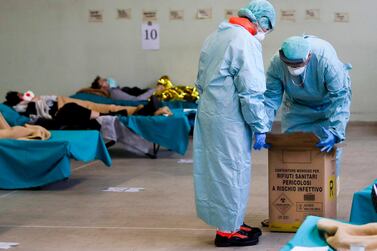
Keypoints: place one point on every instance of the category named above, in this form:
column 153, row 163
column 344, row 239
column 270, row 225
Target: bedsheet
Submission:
column 362, row 211
column 170, row 132
column 307, row 235
column 83, row 145
column 33, row 163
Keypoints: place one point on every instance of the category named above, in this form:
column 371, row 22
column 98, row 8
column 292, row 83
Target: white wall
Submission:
column 50, row 47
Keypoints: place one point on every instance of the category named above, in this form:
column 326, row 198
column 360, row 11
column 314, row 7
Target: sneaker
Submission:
column 251, row 231
column 235, row 239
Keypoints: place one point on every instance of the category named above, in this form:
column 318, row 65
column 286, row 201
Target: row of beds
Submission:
column 27, row 164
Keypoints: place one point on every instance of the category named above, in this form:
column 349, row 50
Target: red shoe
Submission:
column 235, row 239
column 251, row 231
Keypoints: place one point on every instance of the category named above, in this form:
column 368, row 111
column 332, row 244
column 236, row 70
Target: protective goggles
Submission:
column 264, row 25
column 295, row 63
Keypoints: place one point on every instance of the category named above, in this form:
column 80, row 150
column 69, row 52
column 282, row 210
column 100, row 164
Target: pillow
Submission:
column 12, row 117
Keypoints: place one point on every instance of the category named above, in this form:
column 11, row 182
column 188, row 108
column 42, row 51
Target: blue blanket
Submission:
column 170, row 132
column 83, row 145
column 12, row 117
column 104, row 100
column 33, row 163
column 26, row 164
column 307, row 235
column 362, row 211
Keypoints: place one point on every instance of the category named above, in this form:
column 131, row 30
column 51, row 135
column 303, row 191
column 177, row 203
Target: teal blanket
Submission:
column 33, row 163
column 83, row 145
column 12, row 117
column 362, row 211
column 170, row 132
column 307, row 235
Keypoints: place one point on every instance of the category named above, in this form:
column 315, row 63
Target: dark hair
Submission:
column 95, row 83
column 12, row 99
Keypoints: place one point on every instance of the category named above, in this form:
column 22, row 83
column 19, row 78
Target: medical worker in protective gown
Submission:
column 231, row 82
column 314, row 88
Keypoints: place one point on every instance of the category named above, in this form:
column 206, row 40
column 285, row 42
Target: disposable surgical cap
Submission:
column 256, row 10
column 296, row 48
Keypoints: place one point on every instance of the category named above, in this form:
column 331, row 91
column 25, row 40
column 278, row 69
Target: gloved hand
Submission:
column 260, row 141
column 327, row 144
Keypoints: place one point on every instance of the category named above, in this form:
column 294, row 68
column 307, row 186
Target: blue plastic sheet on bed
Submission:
column 362, row 211
column 32, row 163
column 170, row 132
column 25, row 164
column 83, row 145
column 307, row 235
column 104, row 100
column 12, row 117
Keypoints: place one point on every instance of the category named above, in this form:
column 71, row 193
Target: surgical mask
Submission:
column 296, row 71
column 112, row 83
column 260, row 36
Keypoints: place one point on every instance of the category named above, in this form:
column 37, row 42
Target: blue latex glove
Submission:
column 327, row 144
column 260, row 141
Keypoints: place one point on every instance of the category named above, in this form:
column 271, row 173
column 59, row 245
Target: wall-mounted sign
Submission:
column 176, row 14
column 230, row 13
column 95, row 15
column 342, row 17
column 204, row 14
column 124, row 14
column 312, row 14
column 149, row 16
column 150, row 36
column 288, row 15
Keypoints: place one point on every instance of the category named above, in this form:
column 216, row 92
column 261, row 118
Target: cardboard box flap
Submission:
column 297, row 139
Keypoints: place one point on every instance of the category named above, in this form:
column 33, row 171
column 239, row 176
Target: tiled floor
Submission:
column 76, row 215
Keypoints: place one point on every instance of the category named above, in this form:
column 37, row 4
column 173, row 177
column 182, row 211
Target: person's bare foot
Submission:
column 163, row 111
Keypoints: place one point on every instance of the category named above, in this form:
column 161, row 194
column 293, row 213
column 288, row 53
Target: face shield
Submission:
column 294, row 63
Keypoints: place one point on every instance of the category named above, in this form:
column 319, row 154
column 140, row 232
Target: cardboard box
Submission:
column 302, row 181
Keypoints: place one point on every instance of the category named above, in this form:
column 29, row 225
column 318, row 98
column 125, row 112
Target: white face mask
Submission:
column 296, row 71
column 260, row 36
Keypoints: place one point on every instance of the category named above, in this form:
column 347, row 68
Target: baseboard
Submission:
column 362, row 123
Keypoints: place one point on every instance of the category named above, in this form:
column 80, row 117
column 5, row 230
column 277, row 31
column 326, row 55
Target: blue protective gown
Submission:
column 231, row 83
column 320, row 97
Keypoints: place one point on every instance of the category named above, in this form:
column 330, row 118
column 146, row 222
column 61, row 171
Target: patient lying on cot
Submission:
column 22, row 132
column 57, row 112
column 109, row 88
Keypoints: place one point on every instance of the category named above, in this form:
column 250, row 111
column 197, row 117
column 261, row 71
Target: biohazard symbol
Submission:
column 282, row 204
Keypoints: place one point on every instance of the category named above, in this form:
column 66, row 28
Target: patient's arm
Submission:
column 3, row 123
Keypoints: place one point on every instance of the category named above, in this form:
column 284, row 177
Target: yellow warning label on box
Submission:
column 332, row 187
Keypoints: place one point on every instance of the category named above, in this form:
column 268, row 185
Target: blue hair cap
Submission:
column 296, row 48
column 256, row 10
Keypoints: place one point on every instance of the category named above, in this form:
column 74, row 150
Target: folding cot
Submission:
column 170, row 132
column 33, row 163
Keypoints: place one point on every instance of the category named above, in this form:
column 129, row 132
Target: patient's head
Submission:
column 100, row 83
column 13, row 98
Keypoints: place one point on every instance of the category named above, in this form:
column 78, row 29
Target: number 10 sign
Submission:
column 150, row 36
